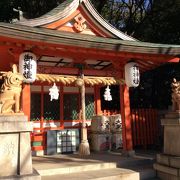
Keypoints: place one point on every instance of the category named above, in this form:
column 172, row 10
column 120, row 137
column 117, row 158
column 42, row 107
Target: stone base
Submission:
column 168, row 164
column 168, row 167
column 171, row 134
column 15, row 148
column 166, row 173
column 165, row 176
column 34, row 176
column 173, row 115
column 167, row 160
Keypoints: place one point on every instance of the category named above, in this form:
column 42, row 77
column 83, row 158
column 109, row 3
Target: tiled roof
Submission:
column 60, row 12
column 67, row 8
column 86, row 41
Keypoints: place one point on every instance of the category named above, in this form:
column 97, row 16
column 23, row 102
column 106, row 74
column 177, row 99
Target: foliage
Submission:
column 161, row 24
column 155, row 88
column 125, row 15
column 31, row 9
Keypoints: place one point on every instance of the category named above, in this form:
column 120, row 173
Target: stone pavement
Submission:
column 110, row 164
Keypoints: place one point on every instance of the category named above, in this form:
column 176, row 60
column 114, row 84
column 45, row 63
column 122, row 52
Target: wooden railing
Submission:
column 144, row 127
column 110, row 112
column 38, row 141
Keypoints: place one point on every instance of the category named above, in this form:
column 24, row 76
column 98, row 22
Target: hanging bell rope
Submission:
column 89, row 80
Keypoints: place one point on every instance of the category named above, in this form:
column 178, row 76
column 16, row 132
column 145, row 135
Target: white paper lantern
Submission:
column 132, row 74
column 28, row 66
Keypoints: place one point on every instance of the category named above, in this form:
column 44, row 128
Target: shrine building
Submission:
column 73, row 41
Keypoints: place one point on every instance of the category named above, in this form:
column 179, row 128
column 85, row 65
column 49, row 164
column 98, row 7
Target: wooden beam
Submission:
column 71, row 51
column 75, row 71
column 144, row 66
column 86, row 53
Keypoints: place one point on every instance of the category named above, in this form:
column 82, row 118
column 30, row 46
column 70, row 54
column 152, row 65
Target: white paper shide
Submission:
column 107, row 94
column 54, row 92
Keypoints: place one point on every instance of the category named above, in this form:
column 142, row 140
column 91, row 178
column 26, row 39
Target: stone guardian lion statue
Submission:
column 10, row 91
column 175, row 95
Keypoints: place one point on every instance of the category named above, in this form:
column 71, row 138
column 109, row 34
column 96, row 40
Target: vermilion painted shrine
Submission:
column 71, row 38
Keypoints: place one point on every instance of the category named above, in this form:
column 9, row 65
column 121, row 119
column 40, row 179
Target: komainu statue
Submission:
column 10, row 91
column 175, row 95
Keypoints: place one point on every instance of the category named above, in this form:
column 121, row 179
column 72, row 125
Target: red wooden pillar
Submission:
column 126, row 119
column 97, row 100
column 42, row 109
column 26, row 100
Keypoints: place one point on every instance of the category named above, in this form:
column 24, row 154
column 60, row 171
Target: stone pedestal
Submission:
column 15, row 148
column 168, row 163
